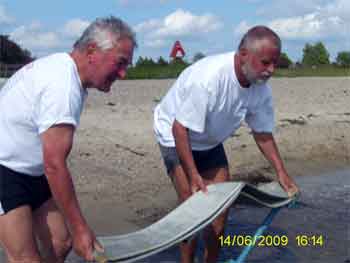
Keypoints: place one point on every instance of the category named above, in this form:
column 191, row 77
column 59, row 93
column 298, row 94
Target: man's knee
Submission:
column 181, row 183
column 62, row 247
column 184, row 195
column 23, row 258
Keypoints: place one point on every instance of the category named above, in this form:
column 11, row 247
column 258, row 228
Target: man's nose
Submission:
column 271, row 68
column 122, row 73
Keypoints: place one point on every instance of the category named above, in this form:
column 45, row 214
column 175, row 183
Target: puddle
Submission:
column 322, row 211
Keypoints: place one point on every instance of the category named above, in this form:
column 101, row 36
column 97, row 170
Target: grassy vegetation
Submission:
column 173, row 70
column 319, row 71
column 155, row 71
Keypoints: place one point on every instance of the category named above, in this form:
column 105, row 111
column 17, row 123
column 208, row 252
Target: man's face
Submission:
column 111, row 64
column 260, row 64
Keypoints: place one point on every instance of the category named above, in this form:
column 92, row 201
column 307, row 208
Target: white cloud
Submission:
column 38, row 40
column 328, row 21
column 180, row 23
column 242, row 28
column 306, row 27
column 183, row 22
column 148, row 25
column 290, row 8
column 5, row 18
column 339, row 8
column 33, row 37
column 158, row 43
column 75, row 27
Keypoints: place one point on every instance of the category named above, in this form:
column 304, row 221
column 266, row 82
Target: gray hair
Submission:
column 105, row 33
column 253, row 38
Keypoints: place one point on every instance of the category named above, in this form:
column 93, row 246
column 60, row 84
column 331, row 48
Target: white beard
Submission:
column 251, row 75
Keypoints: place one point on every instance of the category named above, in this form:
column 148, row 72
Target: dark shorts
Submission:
column 17, row 189
column 204, row 160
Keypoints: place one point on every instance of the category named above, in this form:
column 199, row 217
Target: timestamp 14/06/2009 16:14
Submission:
column 302, row 240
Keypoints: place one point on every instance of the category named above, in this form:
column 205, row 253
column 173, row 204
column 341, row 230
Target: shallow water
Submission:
column 322, row 210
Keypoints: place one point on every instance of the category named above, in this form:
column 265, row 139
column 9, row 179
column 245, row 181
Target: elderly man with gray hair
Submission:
column 204, row 107
column 40, row 110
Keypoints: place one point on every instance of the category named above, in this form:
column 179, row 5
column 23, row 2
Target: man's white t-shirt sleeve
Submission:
column 261, row 118
column 58, row 105
column 192, row 108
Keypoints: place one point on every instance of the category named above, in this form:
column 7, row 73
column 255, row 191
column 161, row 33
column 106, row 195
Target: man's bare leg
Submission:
column 53, row 233
column 216, row 228
column 183, row 189
column 17, row 236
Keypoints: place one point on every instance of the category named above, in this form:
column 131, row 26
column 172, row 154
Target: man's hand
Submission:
column 85, row 242
column 288, row 185
column 268, row 147
column 184, row 152
column 197, row 184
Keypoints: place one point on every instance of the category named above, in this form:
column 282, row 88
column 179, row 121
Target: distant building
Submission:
column 177, row 51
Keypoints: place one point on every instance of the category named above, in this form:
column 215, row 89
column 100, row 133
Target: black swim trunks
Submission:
column 17, row 189
column 204, row 160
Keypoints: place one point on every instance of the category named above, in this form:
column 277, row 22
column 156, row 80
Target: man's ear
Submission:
column 243, row 54
column 90, row 51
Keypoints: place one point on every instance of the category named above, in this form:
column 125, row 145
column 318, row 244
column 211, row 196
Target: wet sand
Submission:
column 119, row 175
column 316, row 229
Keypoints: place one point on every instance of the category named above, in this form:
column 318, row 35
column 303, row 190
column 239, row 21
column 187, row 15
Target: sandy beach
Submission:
column 118, row 171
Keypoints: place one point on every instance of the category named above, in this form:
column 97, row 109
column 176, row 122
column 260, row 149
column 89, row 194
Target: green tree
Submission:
column 146, row 62
column 343, row 59
column 12, row 53
column 161, row 61
column 198, row 56
column 314, row 55
column 284, row 61
column 139, row 62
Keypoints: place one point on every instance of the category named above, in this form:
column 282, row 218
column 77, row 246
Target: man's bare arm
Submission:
column 184, row 152
column 57, row 142
column 268, row 147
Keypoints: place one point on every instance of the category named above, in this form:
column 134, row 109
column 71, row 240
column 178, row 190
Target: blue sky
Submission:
column 210, row 27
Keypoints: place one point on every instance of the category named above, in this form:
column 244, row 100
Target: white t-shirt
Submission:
column 208, row 100
column 43, row 93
